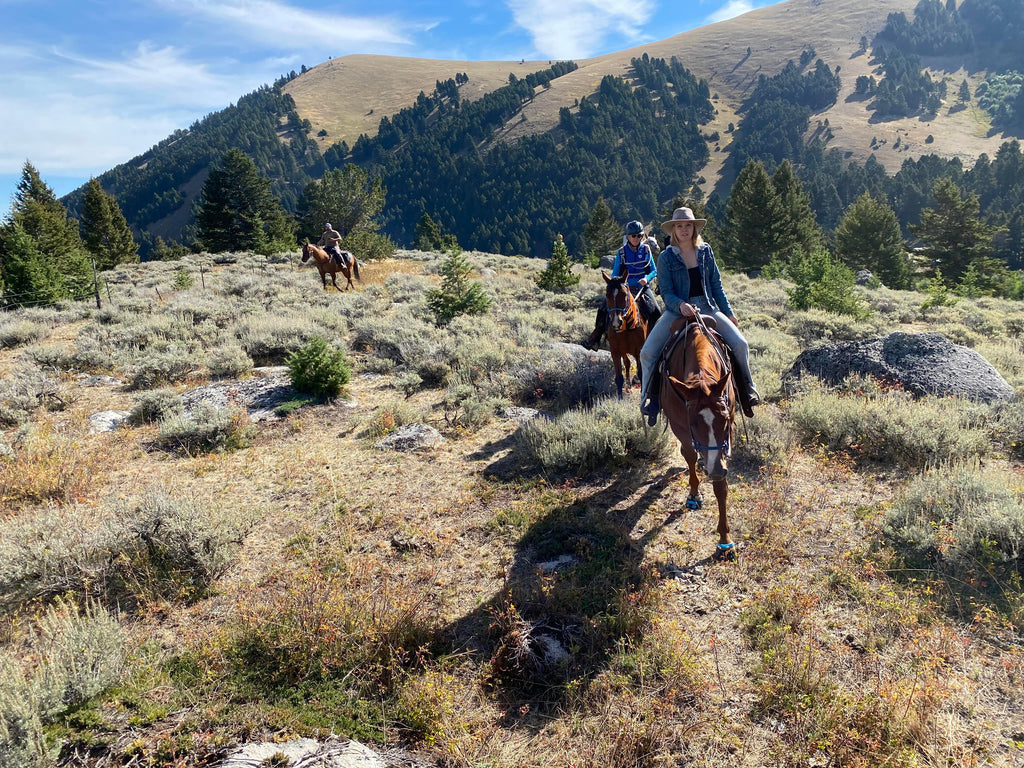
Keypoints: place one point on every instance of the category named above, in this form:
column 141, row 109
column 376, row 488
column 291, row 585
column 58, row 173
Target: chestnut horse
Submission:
column 328, row 265
column 626, row 327
column 698, row 397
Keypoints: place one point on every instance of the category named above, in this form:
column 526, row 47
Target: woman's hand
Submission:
column 687, row 310
column 735, row 321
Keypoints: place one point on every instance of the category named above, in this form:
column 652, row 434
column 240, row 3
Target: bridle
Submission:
column 630, row 313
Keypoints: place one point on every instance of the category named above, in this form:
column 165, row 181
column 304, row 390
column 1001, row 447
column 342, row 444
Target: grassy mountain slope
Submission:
column 338, row 95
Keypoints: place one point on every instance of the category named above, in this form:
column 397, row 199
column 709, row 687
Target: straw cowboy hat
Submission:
column 682, row 214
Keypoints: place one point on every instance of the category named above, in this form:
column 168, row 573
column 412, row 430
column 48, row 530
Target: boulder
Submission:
column 920, row 363
column 306, row 752
column 105, row 421
column 410, row 437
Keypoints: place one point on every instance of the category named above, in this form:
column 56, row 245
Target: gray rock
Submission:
column 921, row 363
column 864, row 277
column 411, row 437
column 306, row 753
column 105, row 421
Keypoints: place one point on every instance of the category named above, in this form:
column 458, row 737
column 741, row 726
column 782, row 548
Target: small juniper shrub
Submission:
column 155, row 405
column 318, row 370
column 78, row 654
column 557, row 275
column 206, row 428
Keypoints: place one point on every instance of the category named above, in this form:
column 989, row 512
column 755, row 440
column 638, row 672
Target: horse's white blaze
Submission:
column 708, row 415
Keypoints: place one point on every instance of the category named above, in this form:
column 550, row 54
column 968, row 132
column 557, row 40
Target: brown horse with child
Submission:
column 329, row 265
column 626, row 328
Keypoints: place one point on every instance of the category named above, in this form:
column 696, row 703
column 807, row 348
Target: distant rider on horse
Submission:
column 330, row 241
column 636, row 261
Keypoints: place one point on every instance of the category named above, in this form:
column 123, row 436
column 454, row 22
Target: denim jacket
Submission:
column 674, row 279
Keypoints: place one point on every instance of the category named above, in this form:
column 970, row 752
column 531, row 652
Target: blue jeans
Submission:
column 659, row 335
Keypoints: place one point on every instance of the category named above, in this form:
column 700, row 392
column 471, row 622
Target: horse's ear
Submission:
column 605, row 276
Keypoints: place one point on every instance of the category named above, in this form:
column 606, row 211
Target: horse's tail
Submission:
column 355, row 268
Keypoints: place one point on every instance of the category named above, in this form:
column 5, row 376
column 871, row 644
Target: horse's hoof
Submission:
column 694, row 501
column 725, row 553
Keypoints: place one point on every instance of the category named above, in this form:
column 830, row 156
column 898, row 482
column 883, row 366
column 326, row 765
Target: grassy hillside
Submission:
column 520, row 594
column 337, row 96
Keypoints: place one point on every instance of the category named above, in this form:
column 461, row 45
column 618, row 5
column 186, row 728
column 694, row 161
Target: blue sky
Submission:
column 90, row 84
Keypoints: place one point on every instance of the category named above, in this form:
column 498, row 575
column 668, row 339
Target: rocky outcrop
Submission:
column 920, row 363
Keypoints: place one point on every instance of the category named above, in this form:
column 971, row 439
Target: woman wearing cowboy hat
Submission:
column 690, row 281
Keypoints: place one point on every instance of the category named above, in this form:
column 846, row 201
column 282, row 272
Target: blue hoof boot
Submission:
column 694, row 501
column 725, row 552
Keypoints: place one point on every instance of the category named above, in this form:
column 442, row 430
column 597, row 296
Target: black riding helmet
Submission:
column 634, row 228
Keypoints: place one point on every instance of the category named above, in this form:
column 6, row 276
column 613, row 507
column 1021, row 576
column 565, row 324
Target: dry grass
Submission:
column 409, row 599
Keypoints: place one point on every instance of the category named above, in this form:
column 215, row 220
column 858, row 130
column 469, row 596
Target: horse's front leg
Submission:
column 721, row 496
column 694, row 500
column 334, row 281
column 323, row 279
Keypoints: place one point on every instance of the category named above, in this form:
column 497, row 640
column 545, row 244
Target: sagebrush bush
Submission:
column 176, row 546
column 77, row 655
column 19, row 332
column 207, row 428
column 610, row 433
column 318, row 370
column 26, row 389
column 961, row 514
column 156, row 405
column 169, row 366
column 890, row 426
column 229, row 362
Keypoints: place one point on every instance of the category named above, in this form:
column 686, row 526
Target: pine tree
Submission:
column 557, row 276
column 352, row 202
column 953, row 233
column 796, row 226
column 430, row 236
column 104, row 230
column 41, row 251
column 238, row 212
column 457, row 294
column 751, row 214
column 869, row 237
column 601, row 234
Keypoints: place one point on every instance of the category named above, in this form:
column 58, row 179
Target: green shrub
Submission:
column 611, row 433
column 821, row 282
column 557, row 275
column 457, row 295
column 318, row 370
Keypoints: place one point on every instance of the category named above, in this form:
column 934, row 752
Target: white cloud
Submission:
column 730, row 10
column 572, row 29
column 283, row 26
